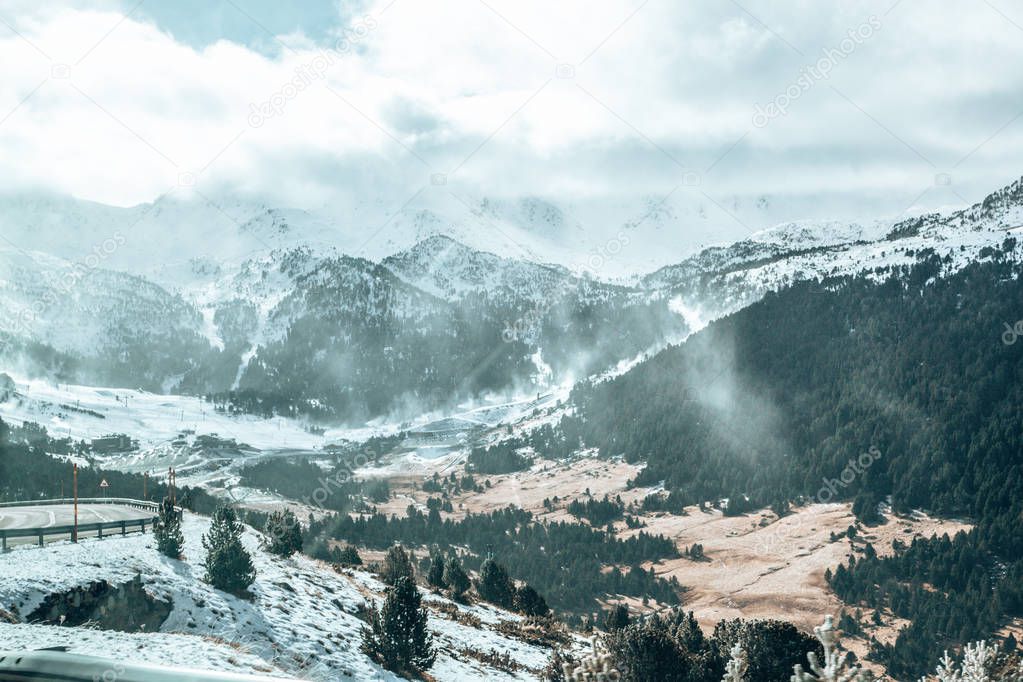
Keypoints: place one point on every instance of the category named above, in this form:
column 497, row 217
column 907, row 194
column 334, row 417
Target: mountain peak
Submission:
column 449, row 269
column 1000, row 210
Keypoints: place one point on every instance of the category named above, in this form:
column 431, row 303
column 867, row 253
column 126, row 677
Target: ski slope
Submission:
column 87, row 412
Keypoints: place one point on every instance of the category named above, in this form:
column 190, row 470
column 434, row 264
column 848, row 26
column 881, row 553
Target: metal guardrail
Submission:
column 97, row 527
column 126, row 501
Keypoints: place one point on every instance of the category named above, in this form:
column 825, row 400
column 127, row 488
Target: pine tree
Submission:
column 435, row 576
column 617, row 618
column 167, row 529
column 455, row 578
column 529, row 602
column 228, row 564
column 349, row 556
column 646, row 651
column 772, row 647
column 397, row 636
column 283, row 534
column 397, row 565
column 494, row 585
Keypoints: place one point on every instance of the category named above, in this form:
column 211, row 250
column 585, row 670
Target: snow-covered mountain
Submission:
column 186, row 235
column 450, row 270
column 311, row 328
column 722, row 279
column 271, row 302
column 77, row 309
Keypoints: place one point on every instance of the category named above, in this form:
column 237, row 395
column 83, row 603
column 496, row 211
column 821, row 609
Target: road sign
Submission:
column 104, row 484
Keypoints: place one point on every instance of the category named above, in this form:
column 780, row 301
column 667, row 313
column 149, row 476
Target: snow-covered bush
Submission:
column 978, row 660
column 736, row 667
column 833, row 667
column 598, row 667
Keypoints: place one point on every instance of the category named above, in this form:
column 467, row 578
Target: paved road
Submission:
column 45, row 516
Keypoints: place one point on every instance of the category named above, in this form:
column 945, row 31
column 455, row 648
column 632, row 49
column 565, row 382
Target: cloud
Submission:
column 580, row 102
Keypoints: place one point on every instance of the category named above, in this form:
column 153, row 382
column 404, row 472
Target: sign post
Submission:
column 103, row 487
column 74, row 484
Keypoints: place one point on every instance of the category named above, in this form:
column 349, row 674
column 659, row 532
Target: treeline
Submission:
column 299, row 479
column 547, row 441
column 333, row 488
column 565, row 562
column 671, row 646
column 266, row 405
column 502, row 458
column 818, row 374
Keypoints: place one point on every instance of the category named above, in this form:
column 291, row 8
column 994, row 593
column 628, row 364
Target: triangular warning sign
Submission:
column 104, row 484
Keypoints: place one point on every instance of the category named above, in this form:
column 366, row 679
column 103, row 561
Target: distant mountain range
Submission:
column 269, row 304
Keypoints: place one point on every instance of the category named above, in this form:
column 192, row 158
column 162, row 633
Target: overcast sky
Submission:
column 323, row 103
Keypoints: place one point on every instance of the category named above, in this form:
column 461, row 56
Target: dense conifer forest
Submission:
column 901, row 390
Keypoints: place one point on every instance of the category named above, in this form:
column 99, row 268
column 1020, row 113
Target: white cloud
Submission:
column 464, row 79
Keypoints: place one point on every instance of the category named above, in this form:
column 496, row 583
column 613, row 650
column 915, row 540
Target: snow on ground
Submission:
column 154, row 648
column 155, row 420
column 71, row 410
column 301, row 621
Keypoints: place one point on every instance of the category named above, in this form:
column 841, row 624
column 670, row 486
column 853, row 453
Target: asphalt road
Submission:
column 45, row 516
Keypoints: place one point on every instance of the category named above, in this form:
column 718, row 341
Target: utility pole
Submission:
column 74, row 532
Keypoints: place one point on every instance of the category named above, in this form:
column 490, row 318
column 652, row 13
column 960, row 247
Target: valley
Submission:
column 510, row 340
column 656, row 463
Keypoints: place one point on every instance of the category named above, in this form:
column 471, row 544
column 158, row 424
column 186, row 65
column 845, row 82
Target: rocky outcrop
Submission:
column 127, row 607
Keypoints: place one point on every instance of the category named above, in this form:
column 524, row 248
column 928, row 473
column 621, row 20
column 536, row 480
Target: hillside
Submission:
column 303, row 620
column 902, row 390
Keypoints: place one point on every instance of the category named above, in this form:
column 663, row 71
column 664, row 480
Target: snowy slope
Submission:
column 780, row 242
column 302, row 620
column 999, row 211
column 167, row 428
column 720, row 280
column 81, row 308
column 85, row 412
column 448, row 269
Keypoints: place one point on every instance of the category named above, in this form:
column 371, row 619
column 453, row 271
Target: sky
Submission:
column 853, row 109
